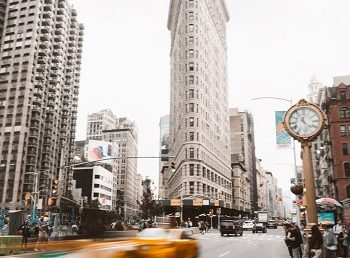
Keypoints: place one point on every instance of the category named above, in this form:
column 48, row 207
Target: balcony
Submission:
column 45, row 29
column 39, row 76
column 51, row 104
column 36, row 118
column 43, row 45
column 41, row 68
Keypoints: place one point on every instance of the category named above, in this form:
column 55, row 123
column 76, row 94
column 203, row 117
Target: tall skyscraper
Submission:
column 199, row 124
column 40, row 56
column 243, row 145
column 126, row 136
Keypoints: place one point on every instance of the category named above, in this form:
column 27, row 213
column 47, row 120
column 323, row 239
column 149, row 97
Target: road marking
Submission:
column 221, row 255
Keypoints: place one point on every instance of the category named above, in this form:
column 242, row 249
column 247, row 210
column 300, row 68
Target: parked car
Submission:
column 259, row 227
column 272, row 224
column 231, row 227
column 248, row 225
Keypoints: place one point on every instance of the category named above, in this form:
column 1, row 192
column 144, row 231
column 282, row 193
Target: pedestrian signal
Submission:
column 52, row 201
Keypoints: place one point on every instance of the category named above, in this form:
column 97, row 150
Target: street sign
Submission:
column 175, row 202
column 197, row 202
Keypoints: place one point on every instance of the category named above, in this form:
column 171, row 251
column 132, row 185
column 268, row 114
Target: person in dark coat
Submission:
column 25, row 232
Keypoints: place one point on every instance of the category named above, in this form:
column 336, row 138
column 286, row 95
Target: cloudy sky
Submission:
column 274, row 47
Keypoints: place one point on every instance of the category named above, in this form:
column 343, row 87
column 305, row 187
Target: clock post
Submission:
column 304, row 121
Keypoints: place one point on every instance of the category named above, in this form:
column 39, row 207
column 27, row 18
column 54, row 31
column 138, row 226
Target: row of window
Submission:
column 344, row 112
column 345, row 130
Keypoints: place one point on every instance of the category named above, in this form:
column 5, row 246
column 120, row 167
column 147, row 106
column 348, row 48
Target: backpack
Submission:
column 329, row 239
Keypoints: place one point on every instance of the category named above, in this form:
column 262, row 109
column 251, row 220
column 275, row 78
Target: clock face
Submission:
column 304, row 121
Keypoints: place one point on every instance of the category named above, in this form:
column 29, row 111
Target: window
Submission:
column 348, row 191
column 96, row 186
column 190, row 16
column 191, row 93
column 191, row 169
column 191, row 153
column 342, row 95
column 191, row 187
column 190, row 41
column 191, row 79
column 342, row 112
column 191, row 53
column 97, row 176
column 191, row 66
column 345, row 148
column 191, row 121
column 191, row 136
column 347, row 169
column 96, row 195
column 191, row 107
column 190, row 28
column 342, row 130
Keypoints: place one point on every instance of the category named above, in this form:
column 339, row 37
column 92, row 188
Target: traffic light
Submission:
column 164, row 155
column 52, row 201
column 54, row 188
column 173, row 166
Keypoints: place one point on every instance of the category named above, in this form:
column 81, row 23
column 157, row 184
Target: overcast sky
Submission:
column 274, row 47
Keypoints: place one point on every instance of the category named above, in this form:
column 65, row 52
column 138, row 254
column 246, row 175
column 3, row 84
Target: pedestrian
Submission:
column 42, row 234
column 206, row 224
column 304, row 245
column 343, row 242
column 330, row 242
column 299, row 238
column 293, row 241
column 288, row 244
column 315, row 242
column 24, row 229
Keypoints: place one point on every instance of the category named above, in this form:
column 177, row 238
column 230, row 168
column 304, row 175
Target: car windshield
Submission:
column 248, row 221
column 227, row 222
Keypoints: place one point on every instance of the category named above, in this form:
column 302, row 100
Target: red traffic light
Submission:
column 173, row 166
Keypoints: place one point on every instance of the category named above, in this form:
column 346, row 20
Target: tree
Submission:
column 92, row 204
column 149, row 206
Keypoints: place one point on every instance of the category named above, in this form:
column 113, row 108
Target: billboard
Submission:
column 283, row 139
column 98, row 150
column 326, row 217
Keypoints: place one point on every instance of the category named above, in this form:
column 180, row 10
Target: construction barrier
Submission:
column 10, row 245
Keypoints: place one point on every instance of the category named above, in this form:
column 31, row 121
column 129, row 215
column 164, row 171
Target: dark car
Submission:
column 271, row 224
column 231, row 227
column 259, row 227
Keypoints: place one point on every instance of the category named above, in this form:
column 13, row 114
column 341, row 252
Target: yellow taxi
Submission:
column 151, row 242
column 167, row 243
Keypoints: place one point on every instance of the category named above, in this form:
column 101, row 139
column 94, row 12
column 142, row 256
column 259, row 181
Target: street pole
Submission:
column 294, row 154
column 59, row 193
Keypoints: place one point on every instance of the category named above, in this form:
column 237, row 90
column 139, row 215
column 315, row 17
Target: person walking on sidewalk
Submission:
column 292, row 239
column 330, row 242
column 315, row 242
column 43, row 234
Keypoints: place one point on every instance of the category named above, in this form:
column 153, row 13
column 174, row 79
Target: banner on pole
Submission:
column 283, row 139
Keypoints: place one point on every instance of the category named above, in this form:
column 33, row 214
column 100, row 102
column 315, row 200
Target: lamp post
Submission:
column 293, row 147
column 34, row 194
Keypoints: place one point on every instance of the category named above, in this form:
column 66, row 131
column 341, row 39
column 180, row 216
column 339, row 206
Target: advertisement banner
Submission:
column 98, row 150
column 283, row 139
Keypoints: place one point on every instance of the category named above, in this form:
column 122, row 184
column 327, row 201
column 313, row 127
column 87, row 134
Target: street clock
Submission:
column 304, row 121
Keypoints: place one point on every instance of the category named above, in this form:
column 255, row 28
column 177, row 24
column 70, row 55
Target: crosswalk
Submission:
column 247, row 236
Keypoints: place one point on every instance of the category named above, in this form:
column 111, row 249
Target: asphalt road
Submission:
column 268, row 245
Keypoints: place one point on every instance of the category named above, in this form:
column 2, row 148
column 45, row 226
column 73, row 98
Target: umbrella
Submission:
column 328, row 202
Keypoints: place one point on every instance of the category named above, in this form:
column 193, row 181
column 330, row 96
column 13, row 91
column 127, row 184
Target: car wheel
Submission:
column 222, row 234
column 242, row 233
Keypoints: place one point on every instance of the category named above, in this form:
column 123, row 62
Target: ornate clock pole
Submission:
column 304, row 121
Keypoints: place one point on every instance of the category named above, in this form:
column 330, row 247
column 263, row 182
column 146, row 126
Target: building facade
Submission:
column 261, row 185
column 40, row 57
column 243, row 144
column 199, row 125
column 163, row 164
column 126, row 136
column 99, row 121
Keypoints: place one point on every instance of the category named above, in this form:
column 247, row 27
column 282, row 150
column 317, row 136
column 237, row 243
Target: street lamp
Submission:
column 34, row 194
column 293, row 147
